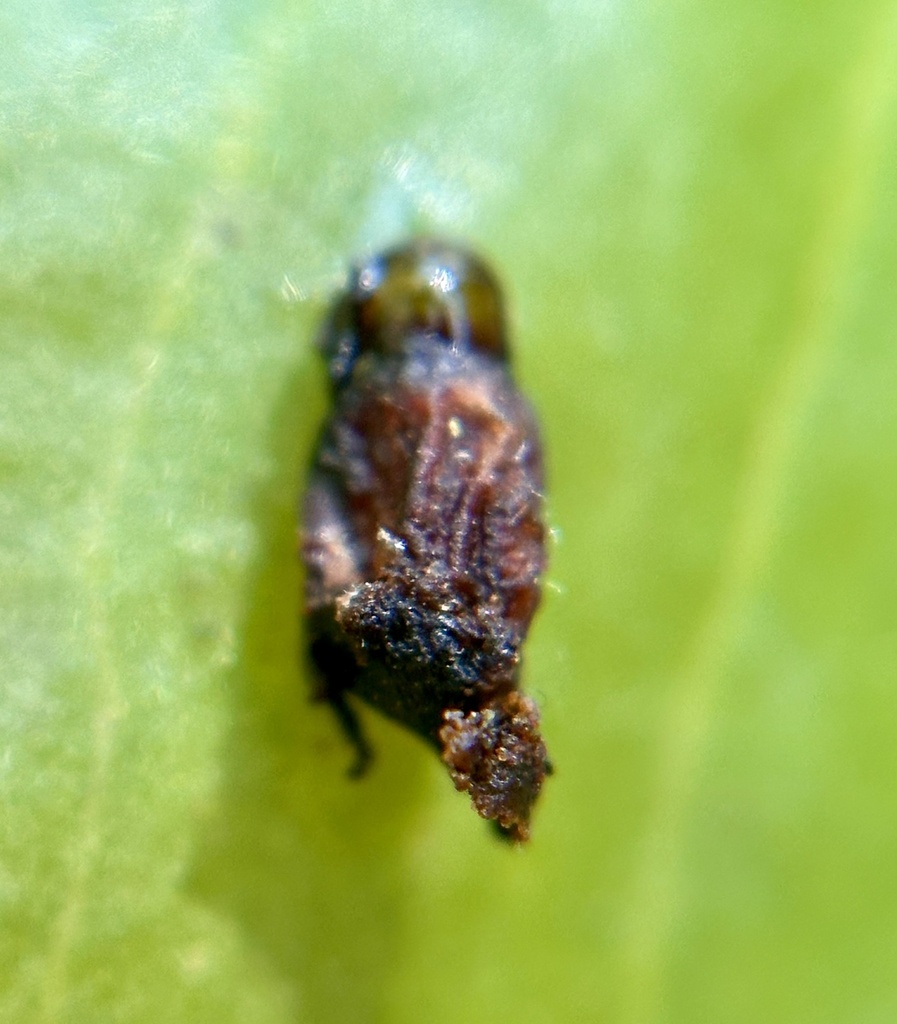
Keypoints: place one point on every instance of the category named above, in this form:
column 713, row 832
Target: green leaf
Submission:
column 693, row 209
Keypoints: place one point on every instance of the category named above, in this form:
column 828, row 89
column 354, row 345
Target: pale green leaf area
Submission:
column 693, row 207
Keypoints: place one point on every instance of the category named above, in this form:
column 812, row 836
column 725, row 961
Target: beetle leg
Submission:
column 336, row 671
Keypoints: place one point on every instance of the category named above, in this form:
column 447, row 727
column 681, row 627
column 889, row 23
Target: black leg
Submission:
column 336, row 670
column 351, row 726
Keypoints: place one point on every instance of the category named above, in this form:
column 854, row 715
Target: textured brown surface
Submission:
column 423, row 536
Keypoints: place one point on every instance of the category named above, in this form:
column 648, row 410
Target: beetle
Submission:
column 423, row 536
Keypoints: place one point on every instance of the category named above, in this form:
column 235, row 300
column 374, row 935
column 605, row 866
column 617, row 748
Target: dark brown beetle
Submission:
column 423, row 536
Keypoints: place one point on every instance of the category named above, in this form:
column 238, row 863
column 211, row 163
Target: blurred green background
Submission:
column 693, row 207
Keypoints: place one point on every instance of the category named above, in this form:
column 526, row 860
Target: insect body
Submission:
column 423, row 538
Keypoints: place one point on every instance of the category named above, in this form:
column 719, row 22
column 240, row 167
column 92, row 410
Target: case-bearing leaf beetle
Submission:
column 423, row 537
